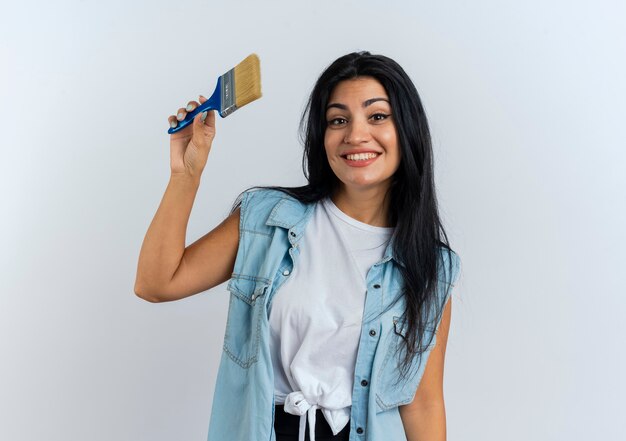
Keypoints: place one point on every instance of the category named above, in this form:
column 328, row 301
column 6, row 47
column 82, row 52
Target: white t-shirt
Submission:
column 315, row 317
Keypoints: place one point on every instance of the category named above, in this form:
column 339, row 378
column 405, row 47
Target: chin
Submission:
column 363, row 185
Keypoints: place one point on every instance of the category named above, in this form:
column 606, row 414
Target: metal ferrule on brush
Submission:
column 229, row 93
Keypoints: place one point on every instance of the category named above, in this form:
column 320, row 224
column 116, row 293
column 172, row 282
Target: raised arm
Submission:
column 167, row 270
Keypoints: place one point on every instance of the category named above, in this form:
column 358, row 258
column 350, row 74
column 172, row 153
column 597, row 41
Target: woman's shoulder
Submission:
column 265, row 198
column 258, row 204
column 263, row 193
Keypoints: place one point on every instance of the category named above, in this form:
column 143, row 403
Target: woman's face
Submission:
column 359, row 122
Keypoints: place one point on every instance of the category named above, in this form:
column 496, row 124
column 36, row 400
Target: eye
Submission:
column 337, row 121
column 377, row 117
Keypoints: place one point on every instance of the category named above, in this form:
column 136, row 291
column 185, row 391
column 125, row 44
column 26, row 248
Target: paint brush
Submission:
column 236, row 88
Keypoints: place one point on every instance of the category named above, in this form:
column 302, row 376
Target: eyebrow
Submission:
column 365, row 103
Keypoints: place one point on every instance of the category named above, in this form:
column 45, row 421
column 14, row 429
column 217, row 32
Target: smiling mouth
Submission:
column 361, row 156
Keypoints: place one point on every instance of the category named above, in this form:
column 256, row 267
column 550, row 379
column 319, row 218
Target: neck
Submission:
column 365, row 205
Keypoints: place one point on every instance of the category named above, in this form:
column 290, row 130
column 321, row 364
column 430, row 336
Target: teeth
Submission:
column 361, row 156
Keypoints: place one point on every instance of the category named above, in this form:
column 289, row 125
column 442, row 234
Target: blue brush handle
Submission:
column 213, row 103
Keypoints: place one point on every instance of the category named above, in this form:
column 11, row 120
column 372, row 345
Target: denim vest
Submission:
column 270, row 230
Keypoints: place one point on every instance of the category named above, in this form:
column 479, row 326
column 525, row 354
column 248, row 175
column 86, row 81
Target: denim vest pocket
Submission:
column 243, row 325
column 392, row 391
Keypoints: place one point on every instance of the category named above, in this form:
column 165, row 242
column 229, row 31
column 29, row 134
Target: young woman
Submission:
column 339, row 290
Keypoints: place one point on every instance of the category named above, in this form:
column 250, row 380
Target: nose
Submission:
column 357, row 132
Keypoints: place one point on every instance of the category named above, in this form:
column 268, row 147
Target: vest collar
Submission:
column 293, row 215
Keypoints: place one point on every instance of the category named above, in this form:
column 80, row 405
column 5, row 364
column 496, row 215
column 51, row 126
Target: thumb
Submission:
column 204, row 125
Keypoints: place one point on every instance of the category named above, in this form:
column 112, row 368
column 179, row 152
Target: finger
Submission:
column 198, row 122
column 202, row 99
column 181, row 114
column 204, row 124
column 210, row 119
column 173, row 122
column 191, row 105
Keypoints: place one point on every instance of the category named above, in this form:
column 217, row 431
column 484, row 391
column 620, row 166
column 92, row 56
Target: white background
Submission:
column 526, row 105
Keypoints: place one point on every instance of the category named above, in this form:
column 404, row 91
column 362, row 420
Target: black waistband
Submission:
column 287, row 424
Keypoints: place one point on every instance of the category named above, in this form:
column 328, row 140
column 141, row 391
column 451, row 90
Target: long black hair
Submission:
column 419, row 235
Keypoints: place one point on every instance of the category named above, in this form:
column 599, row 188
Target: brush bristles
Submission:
column 247, row 80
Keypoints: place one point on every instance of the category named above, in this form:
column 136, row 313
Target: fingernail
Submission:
column 173, row 124
column 189, row 107
column 180, row 116
column 204, row 115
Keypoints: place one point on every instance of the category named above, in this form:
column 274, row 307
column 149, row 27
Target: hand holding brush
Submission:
column 193, row 128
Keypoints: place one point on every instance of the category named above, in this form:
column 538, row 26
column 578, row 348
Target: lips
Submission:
column 356, row 152
column 362, row 162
